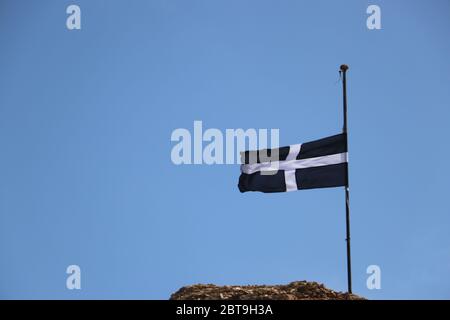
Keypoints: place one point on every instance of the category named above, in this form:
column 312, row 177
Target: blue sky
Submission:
column 86, row 118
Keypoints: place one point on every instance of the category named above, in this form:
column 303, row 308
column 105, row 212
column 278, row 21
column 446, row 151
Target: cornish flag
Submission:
column 316, row 164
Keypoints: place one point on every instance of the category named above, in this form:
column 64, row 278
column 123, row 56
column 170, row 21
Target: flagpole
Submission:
column 344, row 69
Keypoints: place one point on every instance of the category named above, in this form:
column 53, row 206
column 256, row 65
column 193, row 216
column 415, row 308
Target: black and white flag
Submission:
column 316, row 164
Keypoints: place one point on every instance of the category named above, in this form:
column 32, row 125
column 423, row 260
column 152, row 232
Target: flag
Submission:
column 315, row 164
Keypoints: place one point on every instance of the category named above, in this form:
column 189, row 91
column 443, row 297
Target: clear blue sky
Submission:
column 85, row 124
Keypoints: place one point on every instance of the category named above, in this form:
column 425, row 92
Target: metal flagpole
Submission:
column 344, row 69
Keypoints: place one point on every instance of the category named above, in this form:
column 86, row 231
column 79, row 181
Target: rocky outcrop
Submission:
column 299, row 290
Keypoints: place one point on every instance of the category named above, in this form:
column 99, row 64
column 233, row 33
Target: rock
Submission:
column 298, row 290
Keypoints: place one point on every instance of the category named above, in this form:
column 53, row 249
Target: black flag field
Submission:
column 316, row 164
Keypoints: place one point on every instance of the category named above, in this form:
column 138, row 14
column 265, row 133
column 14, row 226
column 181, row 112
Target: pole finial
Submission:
column 344, row 67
